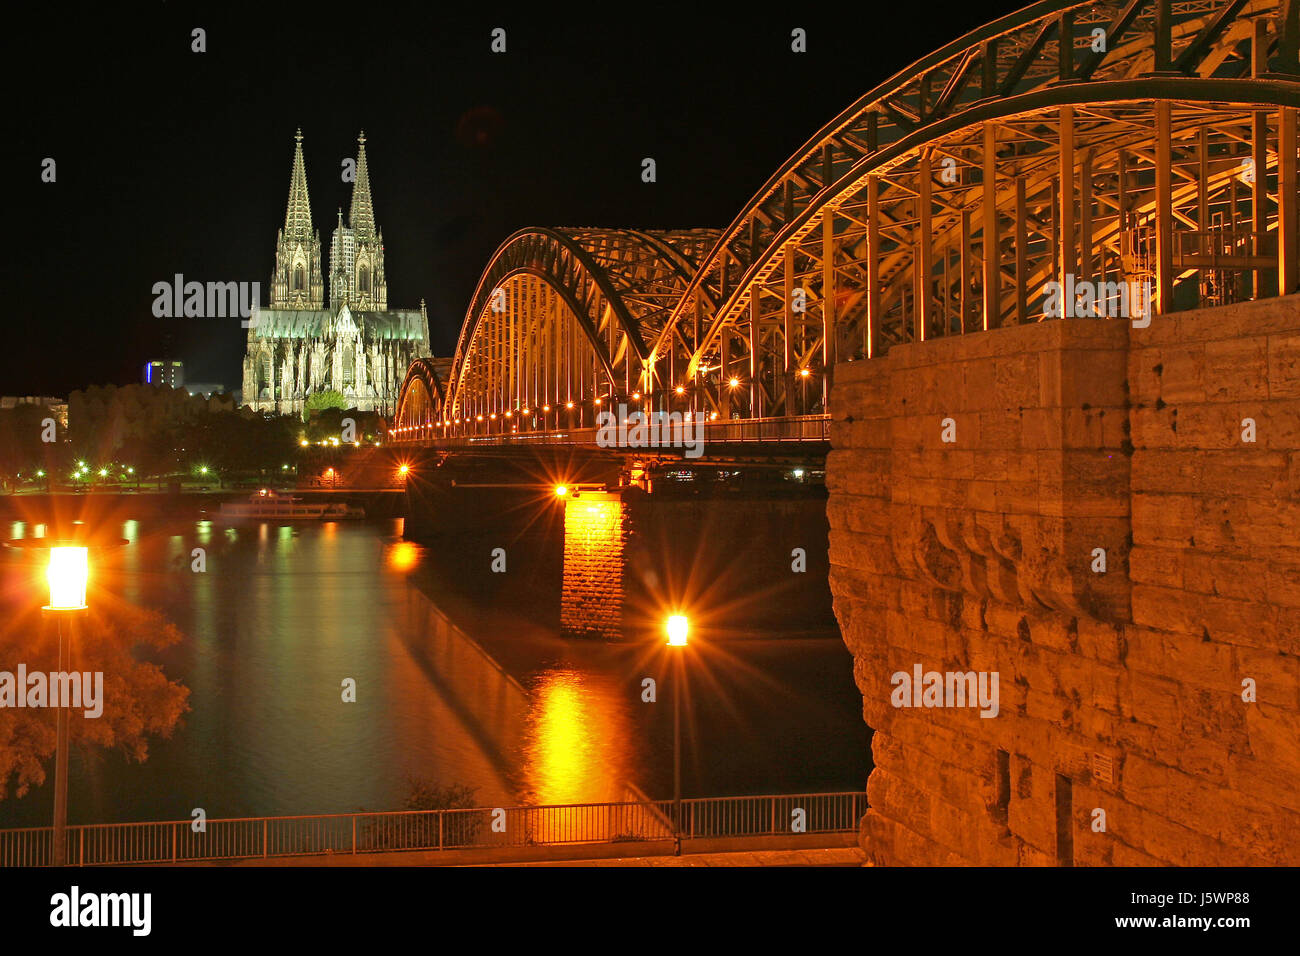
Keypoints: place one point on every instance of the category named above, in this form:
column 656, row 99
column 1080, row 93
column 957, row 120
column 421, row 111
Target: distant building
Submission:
column 169, row 373
column 58, row 407
column 353, row 344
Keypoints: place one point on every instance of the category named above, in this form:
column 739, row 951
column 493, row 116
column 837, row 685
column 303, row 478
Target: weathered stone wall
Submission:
column 1119, row 691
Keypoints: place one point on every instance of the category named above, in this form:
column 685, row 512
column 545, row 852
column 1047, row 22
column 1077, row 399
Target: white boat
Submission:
column 268, row 503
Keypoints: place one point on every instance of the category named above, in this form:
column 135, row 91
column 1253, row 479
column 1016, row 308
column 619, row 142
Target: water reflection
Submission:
column 455, row 684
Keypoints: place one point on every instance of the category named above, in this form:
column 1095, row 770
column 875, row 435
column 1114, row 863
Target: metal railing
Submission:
column 791, row 428
column 484, row 827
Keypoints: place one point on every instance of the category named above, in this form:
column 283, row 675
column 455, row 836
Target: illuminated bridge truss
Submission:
column 1155, row 144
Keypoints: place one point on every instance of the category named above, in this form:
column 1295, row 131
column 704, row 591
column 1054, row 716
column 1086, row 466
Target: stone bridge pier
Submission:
column 1108, row 520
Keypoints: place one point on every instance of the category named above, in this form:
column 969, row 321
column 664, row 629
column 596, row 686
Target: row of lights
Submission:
column 734, row 382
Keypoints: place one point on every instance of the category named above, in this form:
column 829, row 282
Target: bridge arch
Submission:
column 562, row 317
column 1134, row 144
column 420, row 401
column 944, row 200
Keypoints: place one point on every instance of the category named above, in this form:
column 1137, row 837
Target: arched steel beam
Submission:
column 1242, row 94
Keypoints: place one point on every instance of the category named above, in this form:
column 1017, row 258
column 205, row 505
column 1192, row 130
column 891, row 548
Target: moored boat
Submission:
column 268, row 503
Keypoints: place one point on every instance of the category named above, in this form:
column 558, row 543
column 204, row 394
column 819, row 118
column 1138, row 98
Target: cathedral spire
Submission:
column 297, row 218
column 361, row 217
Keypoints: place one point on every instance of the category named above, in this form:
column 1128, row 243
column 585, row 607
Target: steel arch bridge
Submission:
column 1132, row 144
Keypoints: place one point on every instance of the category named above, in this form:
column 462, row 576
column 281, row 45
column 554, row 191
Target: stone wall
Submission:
column 1120, row 690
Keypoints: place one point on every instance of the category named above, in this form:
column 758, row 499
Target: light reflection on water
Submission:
column 283, row 614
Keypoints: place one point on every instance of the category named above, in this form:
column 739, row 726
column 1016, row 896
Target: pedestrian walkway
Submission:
column 832, row 856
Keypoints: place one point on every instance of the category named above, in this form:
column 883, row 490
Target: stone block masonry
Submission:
column 1150, row 711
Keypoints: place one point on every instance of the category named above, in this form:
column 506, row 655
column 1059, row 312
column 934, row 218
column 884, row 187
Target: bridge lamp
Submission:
column 509, row 414
column 804, row 373
column 734, row 382
column 103, row 472
column 546, row 408
column 493, row 416
column 203, row 469
column 713, row 416
column 569, row 405
column 403, row 469
column 561, row 491
column 681, row 389
column 479, row 418
column 524, row 412
column 304, row 443
column 636, row 396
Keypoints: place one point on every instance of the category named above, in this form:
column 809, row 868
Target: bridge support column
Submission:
column 592, row 602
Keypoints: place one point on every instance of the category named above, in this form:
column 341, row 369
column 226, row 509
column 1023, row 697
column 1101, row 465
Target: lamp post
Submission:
column 67, row 573
column 678, row 628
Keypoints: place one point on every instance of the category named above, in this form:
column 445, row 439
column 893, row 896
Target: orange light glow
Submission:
column 734, row 382
column 561, row 491
column 681, row 390
column 678, row 628
column 403, row 556
column 403, row 469
column 67, row 573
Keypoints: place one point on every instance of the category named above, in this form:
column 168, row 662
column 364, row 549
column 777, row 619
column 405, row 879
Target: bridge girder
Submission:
column 941, row 202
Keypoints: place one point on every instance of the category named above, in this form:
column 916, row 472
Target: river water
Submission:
column 457, row 682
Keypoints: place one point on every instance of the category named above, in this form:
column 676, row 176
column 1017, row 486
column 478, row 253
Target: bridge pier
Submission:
column 1110, row 526
column 596, row 531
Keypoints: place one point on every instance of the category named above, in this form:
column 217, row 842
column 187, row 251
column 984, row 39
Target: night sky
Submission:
column 172, row 161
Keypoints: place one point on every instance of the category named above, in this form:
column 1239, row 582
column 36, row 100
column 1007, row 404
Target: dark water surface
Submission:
column 458, row 681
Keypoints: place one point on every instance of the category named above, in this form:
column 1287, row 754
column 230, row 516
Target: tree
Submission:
column 138, row 699
column 319, row 401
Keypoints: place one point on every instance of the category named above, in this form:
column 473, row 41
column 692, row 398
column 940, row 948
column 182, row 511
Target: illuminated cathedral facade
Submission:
column 351, row 342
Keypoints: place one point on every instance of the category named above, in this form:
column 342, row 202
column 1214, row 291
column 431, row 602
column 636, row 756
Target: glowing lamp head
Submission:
column 67, row 573
column 681, row 389
column 734, row 382
column 403, row 469
column 804, row 373
column 561, row 491
column 569, row 405
column 677, row 628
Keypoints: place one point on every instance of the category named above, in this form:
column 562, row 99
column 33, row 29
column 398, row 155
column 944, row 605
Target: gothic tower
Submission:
column 298, row 281
column 357, row 274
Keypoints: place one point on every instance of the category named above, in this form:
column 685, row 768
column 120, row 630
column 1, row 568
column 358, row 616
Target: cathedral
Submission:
column 353, row 343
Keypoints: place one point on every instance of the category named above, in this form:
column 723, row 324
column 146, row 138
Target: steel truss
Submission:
column 942, row 202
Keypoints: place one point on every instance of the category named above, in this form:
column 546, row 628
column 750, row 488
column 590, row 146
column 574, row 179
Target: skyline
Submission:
column 458, row 143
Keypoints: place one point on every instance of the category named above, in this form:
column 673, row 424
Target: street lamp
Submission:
column 678, row 628
column 67, row 573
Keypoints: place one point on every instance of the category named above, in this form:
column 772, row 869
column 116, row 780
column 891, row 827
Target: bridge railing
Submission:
column 793, row 428
column 484, row 827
